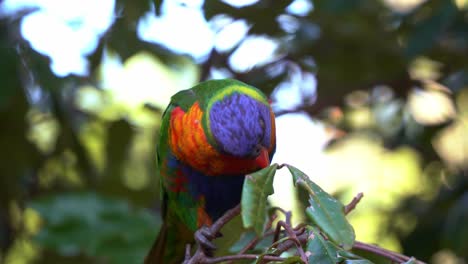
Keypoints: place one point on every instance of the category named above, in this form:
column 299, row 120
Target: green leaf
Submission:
column 245, row 238
column 325, row 211
column 230, row 242
column 344, row 254
column 350, row 257
column 271, row 249
column 76, row 223
column 257, row 187
column 320, row 250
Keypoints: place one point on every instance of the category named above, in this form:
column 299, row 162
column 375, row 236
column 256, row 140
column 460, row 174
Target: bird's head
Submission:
column 242, row 125
column 228, row 130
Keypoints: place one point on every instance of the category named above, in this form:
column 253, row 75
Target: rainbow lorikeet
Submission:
column 211, row 136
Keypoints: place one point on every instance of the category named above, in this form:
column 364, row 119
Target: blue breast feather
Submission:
column 221, row 193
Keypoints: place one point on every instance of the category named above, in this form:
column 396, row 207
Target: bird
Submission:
column 211, row 136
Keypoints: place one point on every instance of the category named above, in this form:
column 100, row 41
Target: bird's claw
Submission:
column 203, row 237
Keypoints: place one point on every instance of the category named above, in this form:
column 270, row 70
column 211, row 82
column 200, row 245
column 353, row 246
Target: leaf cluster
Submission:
column 326, row 236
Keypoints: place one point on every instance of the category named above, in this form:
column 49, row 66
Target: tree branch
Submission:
column 240, row 257
column 348, row 208
column 393, row 256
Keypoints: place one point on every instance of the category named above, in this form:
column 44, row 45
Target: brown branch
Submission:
column 393, row 256
column 280, row 166
column 348, row 208
column 286, row 245
column 292, row 237
column 240, row 257
column 287, row 215
column 223, row 220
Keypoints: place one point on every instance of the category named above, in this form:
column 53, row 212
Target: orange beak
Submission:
column 263, row 159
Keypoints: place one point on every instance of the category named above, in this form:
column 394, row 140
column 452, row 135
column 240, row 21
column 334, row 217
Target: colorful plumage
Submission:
column 211, row 136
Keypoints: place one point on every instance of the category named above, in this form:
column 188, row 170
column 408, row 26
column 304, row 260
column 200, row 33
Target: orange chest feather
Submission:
column 189, row 144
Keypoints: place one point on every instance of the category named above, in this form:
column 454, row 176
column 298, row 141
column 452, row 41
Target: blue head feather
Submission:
column 239, row 123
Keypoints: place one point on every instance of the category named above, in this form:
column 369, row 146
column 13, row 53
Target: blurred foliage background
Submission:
column 385, row 81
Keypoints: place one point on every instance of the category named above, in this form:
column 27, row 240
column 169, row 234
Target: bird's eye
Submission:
column 256, row 151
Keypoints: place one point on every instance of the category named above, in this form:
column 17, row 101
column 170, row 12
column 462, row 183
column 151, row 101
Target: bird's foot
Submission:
column 203, row 237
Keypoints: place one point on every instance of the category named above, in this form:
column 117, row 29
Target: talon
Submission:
column 206, row 233
column 203, row 237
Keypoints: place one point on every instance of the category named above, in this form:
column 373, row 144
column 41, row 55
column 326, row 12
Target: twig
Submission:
column 277, row 233
column 286, row 245
column 223, row 220
column 255, row 240
column 292, row 235
column 267, row 232
column 287, row 215
column 239, row 257
column 281, row 166
column 279, row 209
column 393, row 256
column 348, row 208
